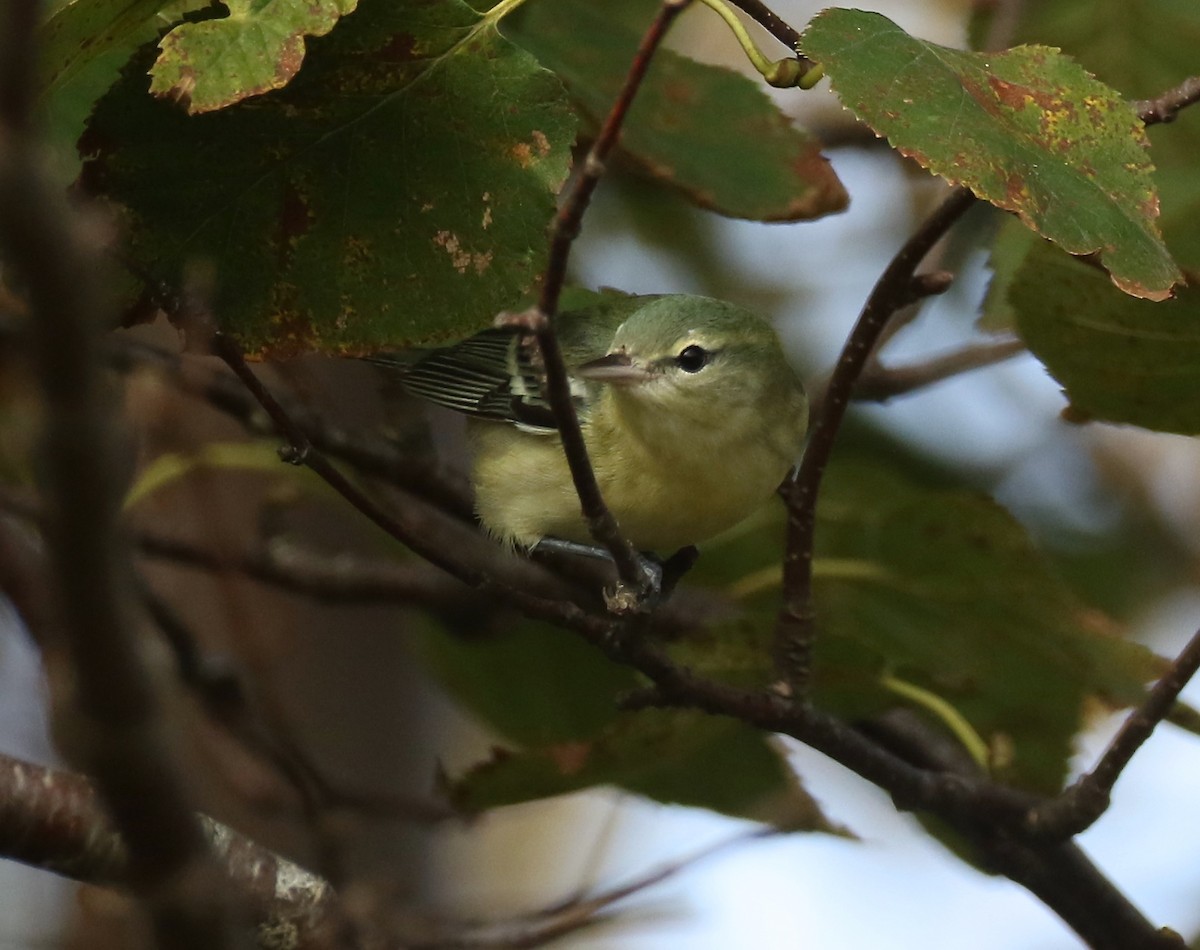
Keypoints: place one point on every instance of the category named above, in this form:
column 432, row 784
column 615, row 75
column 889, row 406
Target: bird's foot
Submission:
column 625, row 598
column 657, row 581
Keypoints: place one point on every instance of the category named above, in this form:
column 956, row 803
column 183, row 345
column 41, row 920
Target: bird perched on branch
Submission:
column 689, row 410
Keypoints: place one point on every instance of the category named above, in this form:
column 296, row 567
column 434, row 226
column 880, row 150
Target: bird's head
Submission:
column 697, row 359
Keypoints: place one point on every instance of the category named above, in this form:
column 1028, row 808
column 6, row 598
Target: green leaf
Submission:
column 77, row 32
column 1143, row 50
column 1027, row 130
column 677, row 757
column 710, row 133
column 1120, row 359
column 536, row 685
column 553, row 699
column 1008, row 252
column 396, row 191
column 259, row 46
column 941, row 589
column 259, row 457
column 82, row 45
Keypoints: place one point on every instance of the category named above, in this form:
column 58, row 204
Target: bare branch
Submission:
column 794, row 628
column 54, row 820
column 880, row 383
column 601, row 522
column 770, row 21
column 546, row 926
column 111, row 725
column 1166, row 107
column 1088, row 798
column 373, row 455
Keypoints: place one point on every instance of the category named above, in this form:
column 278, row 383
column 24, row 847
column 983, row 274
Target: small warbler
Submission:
column 690, row 412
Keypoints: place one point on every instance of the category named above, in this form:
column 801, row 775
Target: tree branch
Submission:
column 880, row 383
column 53, row 820
column 1078, row 807
column 770, row 21
column 540, row 321
column 111, row 724
column 794, row 630
column 373, row 456
column 1167, row 106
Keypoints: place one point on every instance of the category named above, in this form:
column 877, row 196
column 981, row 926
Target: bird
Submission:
column 690, row 411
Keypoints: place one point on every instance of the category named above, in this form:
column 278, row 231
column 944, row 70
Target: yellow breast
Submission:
column 667, row 486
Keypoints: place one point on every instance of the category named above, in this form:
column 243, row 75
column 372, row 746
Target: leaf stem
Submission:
column 950, row 717
column 784, row 73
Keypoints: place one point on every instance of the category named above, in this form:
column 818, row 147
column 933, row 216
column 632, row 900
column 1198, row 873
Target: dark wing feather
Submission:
column 489, row 375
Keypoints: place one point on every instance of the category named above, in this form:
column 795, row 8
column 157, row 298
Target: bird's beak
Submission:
column 616, row 369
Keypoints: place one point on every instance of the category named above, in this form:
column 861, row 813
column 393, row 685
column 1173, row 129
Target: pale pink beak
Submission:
column 616, row 369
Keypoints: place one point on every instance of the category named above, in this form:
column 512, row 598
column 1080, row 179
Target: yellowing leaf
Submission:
column 259, row 46
column 1027, row 130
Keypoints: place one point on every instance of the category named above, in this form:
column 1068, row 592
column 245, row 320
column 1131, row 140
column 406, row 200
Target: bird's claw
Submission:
column 654, row 585
column 626, row 598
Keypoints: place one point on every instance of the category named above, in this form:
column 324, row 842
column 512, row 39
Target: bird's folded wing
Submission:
column 489, row 375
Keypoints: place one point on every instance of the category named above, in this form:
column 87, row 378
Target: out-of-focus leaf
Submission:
column 943, row 590
column 259, row 46
column 1143, row 51
column 396, row 191
column 261, row 457
column 82, row 45
column 677, row 757
column 706, row 131
column 77, row 32
column 1008, row 252
column 1119, row 359
column 535, row 686
column 1027, row 130
column 554, row 699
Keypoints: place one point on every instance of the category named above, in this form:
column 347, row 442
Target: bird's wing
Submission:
column 489, row 375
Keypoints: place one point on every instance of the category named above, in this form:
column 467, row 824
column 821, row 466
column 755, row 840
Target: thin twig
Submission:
column 552, row 923
column 371, row 455
column 1088, row 797
column 600, row 520
column 1166, row 107
column 880, row 383
column 794, row 628
column 342, row 579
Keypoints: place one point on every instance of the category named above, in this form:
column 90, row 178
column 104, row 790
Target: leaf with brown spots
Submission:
column 707, row 132
column 396, row 191
column 1141, row 50
column 257, row 47
column 1028, row 130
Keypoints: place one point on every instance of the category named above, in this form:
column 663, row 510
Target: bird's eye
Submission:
column 692, row 359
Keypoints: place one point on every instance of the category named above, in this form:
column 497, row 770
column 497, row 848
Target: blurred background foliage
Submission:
column 982, row 540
